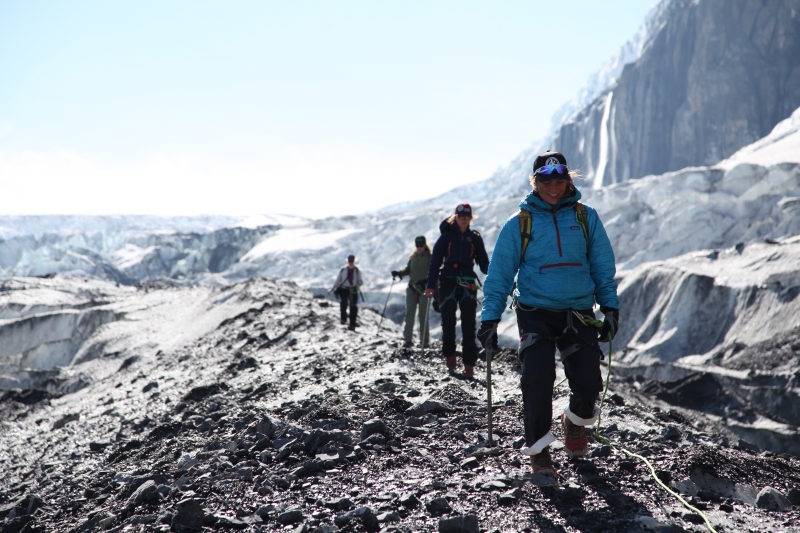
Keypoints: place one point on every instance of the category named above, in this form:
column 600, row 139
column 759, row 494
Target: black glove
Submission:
column 396, row 274
column 610, row 323
column 487, row 333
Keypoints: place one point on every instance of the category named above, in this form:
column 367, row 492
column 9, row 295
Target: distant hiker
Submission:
column 458, row 247
column 346, row 288
column 417, row 270
column 564, row 263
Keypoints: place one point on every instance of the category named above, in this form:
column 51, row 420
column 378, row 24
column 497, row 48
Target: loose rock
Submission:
column 438, row 506
column 509, row 497
column 772, row 500
column 147, row 491
column 459, row 524
column 376, row 425
column 190, row 515
column 291, row 516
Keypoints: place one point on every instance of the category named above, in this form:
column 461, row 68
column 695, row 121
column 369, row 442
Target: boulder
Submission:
column 509, row 497
column 365, row 514
column 772, row 500
column 190, row 515
column 409, row 501
column 438, row 506
column 290, row 516
column 428, row 406
column 793, row 496
column 459, row 524
column 376, row 425
column 147, row 491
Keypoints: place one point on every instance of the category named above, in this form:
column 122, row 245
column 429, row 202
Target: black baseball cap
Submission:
column 351, row 258
column 549, row 158
column 420, row 240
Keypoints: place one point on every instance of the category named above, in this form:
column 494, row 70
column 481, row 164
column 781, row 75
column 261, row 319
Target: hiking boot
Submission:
column 542, row 463
column 351, row 327
column 469, row 371
column 343, row 321
column 575, row 442
column 407, row 344
column 450, row 361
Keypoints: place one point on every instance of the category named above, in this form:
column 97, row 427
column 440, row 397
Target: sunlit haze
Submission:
column 304, row 108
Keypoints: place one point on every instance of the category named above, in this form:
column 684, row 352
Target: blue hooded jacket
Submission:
column 557, row 272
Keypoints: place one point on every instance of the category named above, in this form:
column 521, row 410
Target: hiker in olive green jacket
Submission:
column 417, row 270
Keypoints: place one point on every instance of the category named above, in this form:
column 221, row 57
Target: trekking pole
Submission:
column 387, row 303
column 427, row 321
column 489, row 351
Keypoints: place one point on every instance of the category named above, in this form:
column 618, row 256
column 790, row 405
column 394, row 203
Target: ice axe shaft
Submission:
column 489, row 354
column 387, row 303
column 427, row 321
column 489, row 351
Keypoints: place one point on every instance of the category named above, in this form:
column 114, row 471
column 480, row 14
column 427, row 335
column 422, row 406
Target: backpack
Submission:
column 525, row 223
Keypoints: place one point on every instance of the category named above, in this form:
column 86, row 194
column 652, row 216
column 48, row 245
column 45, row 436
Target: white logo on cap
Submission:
column 460, row 208
column 552, row 161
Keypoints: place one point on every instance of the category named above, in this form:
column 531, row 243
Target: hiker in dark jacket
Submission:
column 417, row 270
column 346, row 288
column 567, row 267
column 456, row 251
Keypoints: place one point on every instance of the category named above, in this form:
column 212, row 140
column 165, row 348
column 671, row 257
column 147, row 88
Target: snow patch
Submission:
column 291, row 240
column 286, row 221
column 131, row 255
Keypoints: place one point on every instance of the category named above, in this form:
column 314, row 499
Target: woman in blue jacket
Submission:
column 568, row 266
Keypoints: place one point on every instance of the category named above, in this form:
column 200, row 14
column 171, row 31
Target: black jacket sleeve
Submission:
column 436, row 260
column 481, row 257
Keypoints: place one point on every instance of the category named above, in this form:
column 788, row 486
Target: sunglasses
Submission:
column 550, row 169
column 550, row 172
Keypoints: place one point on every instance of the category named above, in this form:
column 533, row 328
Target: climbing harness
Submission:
column 468, row 283
column 598, row 324
column 569, row 331
column 383, row 314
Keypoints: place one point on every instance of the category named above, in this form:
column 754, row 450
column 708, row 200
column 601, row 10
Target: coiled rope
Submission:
column 591, row 321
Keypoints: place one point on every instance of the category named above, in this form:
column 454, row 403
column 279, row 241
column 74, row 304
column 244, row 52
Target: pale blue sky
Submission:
column 308, row 108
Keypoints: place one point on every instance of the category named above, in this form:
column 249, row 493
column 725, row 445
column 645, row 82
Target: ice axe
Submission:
column 387, row 303
column 489, row 351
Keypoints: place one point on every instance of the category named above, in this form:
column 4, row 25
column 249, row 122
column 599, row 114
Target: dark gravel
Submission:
column 282, row 420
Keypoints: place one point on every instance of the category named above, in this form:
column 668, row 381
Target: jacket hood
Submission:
column 445, row 225
column 532, row 201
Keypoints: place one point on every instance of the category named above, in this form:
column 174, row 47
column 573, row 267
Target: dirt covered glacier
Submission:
column 249, row 407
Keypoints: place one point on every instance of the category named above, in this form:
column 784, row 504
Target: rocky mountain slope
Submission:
column 700, row 80
column 255, row 410
column 718, row 330
column 716, row 76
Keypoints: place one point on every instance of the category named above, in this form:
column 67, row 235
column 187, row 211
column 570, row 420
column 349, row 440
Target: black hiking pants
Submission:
column 540, row 333
column 348, row 297
column 453, row 296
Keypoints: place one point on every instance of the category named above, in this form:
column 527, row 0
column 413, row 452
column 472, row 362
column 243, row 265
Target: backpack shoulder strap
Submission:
column 583, row 219
column 524, row 232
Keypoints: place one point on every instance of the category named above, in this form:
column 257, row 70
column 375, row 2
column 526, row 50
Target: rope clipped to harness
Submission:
column 591, row 321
